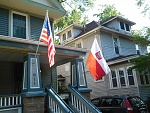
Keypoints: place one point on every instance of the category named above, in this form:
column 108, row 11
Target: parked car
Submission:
column 120, row 104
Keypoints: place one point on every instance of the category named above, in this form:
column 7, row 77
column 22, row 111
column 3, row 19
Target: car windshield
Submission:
column 135, row 101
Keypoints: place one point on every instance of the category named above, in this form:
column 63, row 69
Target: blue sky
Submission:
column 128, row 8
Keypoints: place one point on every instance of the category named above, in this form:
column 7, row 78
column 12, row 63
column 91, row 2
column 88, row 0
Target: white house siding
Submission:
column 98, row 88
column 107, row 45
column 76, row 32
column 113, row 25
column 144, row 92
column 64, row 70
column 127, row 46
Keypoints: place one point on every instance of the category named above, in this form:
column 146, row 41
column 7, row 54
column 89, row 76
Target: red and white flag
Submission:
column 47, row 38
column 96, row 62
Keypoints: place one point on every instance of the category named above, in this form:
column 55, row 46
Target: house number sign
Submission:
column 34, row 75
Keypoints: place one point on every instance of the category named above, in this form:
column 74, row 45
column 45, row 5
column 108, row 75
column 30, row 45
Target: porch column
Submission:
column 33, row 96
column 78, row 77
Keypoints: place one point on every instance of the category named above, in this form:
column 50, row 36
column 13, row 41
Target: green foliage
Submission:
column 76, row 10
column 142, row 36
column 107, row 11
column 142, row 63
column 145, row 5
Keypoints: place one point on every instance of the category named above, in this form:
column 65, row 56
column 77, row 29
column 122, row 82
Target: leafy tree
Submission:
column 107, row 11
column 76, row 10
column 142, row 63
column 144, row 4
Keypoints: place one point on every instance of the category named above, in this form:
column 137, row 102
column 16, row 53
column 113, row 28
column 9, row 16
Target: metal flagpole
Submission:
column 40, row 36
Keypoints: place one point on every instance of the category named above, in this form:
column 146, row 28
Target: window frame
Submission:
column 27, row 23
column 144, row 79
column 79, row 42
column 125, row 27
column 133, row 75
column 118, row 45
column 111, row 83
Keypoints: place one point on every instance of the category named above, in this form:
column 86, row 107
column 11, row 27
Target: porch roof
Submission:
column 14, row 49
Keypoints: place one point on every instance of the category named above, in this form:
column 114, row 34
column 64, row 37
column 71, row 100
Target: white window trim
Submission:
column 125, row 77
column 124, row 27
column 27, row 24
column 118, row 41
column 110, row 79
column 79, row 41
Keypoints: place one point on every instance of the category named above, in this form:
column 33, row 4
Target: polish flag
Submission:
column 96, row 62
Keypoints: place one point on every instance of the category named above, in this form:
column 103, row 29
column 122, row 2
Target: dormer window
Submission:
column 64, row 37
column 124, row 26
column 69, row 34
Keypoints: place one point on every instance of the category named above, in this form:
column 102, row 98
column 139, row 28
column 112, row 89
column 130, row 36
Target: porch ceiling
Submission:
column 14, row 49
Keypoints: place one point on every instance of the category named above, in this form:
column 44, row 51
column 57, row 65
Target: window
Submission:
column 127, row 27
column 145, row 79
column 130, row 76
column 64, row 37
column 19, row 25
column 114, row 78
column 79, row 45
column 69, row 34
column 116, row 45
column 122, row 77
column 122, row 25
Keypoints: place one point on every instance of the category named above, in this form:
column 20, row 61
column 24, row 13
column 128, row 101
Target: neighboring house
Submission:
column 115, row 40
column 22, row 72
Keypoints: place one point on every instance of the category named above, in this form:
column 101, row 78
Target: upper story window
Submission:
column 64, row 37
column 19, row 25
column 124, row 26
column 69, row 34
column 116, row 45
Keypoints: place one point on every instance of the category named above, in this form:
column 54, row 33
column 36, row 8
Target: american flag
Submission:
column 47, row 38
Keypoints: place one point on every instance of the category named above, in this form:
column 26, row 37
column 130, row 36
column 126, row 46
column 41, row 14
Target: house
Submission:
column 24, row 74
column 115, row 40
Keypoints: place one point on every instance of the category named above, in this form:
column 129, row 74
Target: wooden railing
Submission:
column 9, row 101
column 54, row 103
column 79, row 103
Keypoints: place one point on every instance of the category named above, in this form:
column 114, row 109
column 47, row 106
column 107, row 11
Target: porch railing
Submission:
column 10, row 101
column 54, row 103
column 79, row 103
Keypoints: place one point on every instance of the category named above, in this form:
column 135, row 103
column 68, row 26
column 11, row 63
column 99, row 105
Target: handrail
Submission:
column 54, row 103
column 79, row 103
column 9, row 101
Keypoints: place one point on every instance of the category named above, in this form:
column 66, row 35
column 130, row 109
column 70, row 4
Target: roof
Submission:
column 88, row 27
column 121, row 58
column 116, row 17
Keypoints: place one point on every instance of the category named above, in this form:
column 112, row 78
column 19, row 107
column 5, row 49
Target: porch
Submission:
column 17, row 95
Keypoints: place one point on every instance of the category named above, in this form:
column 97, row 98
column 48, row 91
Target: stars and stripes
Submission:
column 47, row 38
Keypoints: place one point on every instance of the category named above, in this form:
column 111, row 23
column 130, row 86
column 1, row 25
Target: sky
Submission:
column 128, row 8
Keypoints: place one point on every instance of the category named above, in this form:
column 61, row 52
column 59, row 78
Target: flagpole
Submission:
column 39, row 38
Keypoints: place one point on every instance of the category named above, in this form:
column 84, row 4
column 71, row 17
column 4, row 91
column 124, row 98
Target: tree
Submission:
column 76, row 10
column 145, row 6
column 107, row 11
